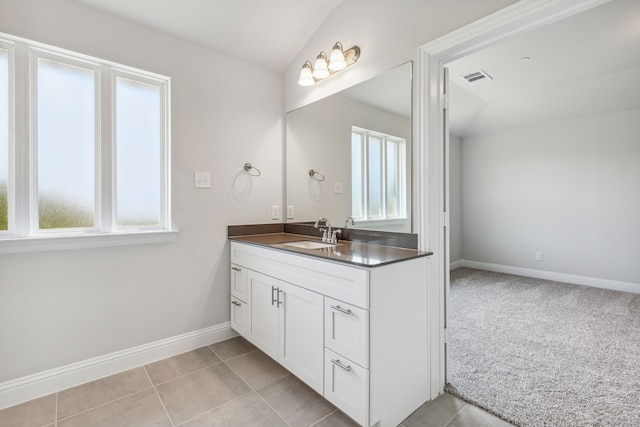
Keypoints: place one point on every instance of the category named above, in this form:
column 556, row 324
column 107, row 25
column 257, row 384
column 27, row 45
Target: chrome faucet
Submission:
column 325, row 233
column 328, row 235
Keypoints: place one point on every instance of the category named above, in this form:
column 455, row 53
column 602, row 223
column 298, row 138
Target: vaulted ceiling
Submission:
column 585, row 65
column 267, row 33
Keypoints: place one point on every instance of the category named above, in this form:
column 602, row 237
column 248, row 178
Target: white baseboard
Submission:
column 550, row 275
column 41, row 384
column 455, row 264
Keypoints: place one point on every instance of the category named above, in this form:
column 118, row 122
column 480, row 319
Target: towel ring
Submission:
column 249, row 168
column 316, row 175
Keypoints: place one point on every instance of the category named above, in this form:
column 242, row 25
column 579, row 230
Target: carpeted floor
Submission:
column 543, row 353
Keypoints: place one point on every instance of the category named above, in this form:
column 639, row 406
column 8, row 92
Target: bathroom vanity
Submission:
column 350, row 320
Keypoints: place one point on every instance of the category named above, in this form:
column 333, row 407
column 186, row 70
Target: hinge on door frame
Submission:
column 446, row 336
column 445, row 101
column 445, row 219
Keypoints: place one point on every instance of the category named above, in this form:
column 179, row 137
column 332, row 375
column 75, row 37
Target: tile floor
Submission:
column 226, row 384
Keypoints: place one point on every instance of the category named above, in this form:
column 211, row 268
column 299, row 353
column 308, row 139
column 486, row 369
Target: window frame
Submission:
column 384, row 218
column 23, row 234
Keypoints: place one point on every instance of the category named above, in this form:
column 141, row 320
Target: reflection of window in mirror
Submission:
column 378, row 178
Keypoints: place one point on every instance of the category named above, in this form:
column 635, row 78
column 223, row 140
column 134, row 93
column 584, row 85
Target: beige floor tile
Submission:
column 472, row 416
column 336, row 419
column 37, row 412
column 257, row 369
column 296, row 402
column 249, row 410
column 436, row 413
column 182, row 364
column 138, row 410
column 201, row 391
column 90, row 395
column 232, row 347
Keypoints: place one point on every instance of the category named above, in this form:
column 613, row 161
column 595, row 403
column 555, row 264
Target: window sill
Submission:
column 84, row 241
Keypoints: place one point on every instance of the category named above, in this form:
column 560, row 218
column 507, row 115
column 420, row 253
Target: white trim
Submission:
column 515, row 19
column 23, row 389
column 614, row 285
column 456, row 264
column 83, row 241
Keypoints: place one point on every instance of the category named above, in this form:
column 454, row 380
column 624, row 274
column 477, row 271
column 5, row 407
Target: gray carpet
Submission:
column 543, row 353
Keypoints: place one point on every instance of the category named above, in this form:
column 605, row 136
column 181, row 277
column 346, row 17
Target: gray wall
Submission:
column 570, row 189
column 455, row 198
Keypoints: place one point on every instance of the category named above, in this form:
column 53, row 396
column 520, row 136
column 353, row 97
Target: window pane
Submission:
column 375, row 176
column 357, row 190
column 393, row 179
column 66, row 145
column 4, row 139
column 138, row 153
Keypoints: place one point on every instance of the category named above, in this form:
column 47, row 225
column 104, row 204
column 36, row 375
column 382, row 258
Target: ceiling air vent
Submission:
column 477, row 77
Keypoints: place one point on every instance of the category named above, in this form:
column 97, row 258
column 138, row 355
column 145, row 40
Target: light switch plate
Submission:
column 202, row 179
column 338, row 188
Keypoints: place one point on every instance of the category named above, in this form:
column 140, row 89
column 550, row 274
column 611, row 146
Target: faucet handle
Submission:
column 334, row 237
column 349, row 219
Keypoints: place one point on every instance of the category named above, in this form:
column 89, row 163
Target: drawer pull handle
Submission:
column 273, row 299
column 236, row 269
column 236, row 303
column 341, row 310
column 340, row 365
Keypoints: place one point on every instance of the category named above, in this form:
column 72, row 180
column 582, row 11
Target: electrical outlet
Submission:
column 275, row 212
column 538, row 256
column 290, row 212
column 338, row 188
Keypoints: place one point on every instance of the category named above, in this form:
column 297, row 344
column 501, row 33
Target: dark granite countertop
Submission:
column 349, row 252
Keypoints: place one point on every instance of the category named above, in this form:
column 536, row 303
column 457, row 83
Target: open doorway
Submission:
column 433, row 156
column 545, row 167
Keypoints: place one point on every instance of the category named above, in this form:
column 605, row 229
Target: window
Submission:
column 378, row 169
column 84, row 150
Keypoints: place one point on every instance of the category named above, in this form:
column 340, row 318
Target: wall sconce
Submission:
column 324, row 67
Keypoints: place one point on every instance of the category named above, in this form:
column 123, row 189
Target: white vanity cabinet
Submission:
column 286, row 323
column 356, row 335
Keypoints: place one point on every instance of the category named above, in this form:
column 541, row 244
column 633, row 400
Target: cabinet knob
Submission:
column 340, row 365
column 341, row 310
column 236, row 303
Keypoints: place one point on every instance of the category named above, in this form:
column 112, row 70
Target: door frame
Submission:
column 431, row 130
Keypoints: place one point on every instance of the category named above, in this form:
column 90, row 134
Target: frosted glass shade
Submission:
column 337, row 62
column 306, row 77
column 320, row 70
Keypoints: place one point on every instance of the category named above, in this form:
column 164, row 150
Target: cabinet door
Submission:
column 240, row 316
column 346, row 330
column 347, row 386
column 301, row 334
column 239, row 282
column 264, row 312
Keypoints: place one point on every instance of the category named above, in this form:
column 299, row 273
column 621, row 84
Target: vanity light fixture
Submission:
column 324, row 67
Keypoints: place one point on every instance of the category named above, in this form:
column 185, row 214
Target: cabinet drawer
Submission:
column 346, row 385
column 239, row 282
column 240, row 316
column 346, row 330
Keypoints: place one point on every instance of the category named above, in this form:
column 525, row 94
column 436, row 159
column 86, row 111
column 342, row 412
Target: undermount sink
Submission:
column 310, row 245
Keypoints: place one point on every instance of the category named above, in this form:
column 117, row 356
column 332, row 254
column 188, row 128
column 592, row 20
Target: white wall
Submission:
column 58, row 308
column 570, row 189
column 388, row 33
column 455, row 198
